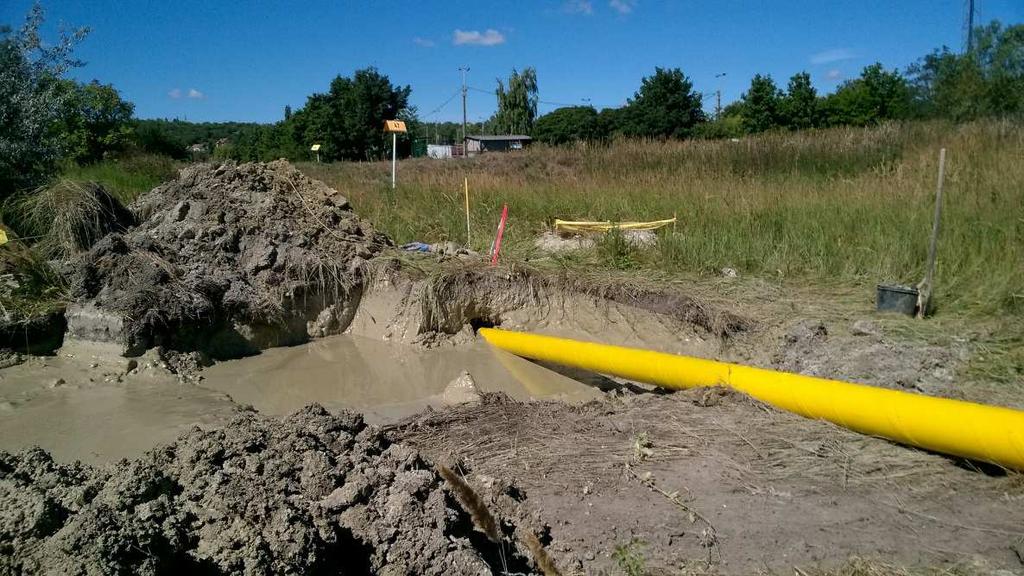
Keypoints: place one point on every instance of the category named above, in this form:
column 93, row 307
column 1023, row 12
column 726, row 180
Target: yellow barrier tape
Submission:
column 976, row 431
column 570, row 226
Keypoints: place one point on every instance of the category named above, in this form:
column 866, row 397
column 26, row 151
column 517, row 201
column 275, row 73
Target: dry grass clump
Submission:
column 28, row 285
column 67, row 217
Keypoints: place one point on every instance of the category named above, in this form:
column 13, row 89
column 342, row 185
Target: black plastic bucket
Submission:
column 896, row 298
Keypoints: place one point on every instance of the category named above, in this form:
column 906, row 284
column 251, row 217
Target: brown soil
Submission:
column 712, row 481
column 227, row 259
column 312, row 494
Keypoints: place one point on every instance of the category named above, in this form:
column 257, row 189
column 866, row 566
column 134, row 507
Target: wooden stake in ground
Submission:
column 924, row 289
column 466, row 183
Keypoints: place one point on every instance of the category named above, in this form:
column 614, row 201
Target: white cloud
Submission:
column 578, row 7
column 623, row 6
column 834, row 75
column 425, row 42
column 195, row 94
column 175, row 94
column 489, row 37
column 832, row 55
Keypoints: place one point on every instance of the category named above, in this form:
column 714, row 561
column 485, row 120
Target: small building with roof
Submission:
column 478, row 144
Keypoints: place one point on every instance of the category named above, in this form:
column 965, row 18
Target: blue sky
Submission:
column 233, row 60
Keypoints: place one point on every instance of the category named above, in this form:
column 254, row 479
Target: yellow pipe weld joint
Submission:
column 986, row 433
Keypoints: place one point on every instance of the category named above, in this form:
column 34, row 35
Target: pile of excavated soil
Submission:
column 227, row 259
column 312, row 494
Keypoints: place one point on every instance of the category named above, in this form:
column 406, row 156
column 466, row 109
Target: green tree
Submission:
column 665, row 106
column 569, row 124
column 987, row 81
column 348, row 120
column 875, row 96
column 761, row 104
column 149, row 137
column 799, row 107
column 95, row 122
column 31, row 102
column 517, row 103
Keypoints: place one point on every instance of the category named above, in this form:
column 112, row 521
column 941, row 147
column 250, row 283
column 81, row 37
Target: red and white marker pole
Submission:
column 501, row 232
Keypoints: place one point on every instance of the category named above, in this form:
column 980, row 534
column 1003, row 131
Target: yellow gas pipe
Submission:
column 976, row 431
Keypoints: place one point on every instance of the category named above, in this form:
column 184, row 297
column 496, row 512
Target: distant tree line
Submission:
column 985, row 81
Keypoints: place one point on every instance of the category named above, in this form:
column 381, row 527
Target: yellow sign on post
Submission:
column 3, row 237
column 394, row 126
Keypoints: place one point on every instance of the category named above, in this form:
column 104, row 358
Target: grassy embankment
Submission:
column 837, row 210
column 853, row 205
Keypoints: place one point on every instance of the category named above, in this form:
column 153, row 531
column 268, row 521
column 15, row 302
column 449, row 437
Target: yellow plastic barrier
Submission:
column 976, row 431
column 568, row 226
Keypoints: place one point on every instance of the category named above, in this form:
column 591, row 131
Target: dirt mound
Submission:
column 312, row 494
column 228, row 259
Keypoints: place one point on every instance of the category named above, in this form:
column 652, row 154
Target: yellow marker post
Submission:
column 976, row 431
column 394, row 126
column 466, row 183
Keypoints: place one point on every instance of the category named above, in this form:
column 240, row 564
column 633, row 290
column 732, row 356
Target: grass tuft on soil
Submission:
column 67, row 217
column 29, row 287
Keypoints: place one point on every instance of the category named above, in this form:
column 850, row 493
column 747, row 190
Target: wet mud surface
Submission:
column 310, row 494
column 382, row 380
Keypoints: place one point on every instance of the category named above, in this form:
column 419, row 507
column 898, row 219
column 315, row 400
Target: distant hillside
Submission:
column 174, row 137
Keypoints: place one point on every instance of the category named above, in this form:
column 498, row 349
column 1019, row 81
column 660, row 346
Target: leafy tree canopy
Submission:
column 32, row 101
column 517, row 103
column 348, row 120
column 799, row 107
column 665, row 106
column 95, row 121
column 875, row 96
column 569, row 124
column 987, row 81
column 761, row 104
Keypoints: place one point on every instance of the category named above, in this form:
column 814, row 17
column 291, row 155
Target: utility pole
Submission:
column 463, row 69
column 970, row 25
column 718, row 96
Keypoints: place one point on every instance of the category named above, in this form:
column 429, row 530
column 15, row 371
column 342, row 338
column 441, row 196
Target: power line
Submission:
column 582, row 102
column 439, row 108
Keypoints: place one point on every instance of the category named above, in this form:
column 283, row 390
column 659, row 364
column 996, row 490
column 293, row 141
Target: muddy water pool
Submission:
column 383, row 380
column 86, row 403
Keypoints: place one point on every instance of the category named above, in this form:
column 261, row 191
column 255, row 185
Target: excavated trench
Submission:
column 249, row 292
column 176, row 432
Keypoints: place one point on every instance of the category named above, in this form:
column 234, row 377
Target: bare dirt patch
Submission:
column 710, row 481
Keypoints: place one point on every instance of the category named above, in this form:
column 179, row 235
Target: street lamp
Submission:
column 718, row 96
